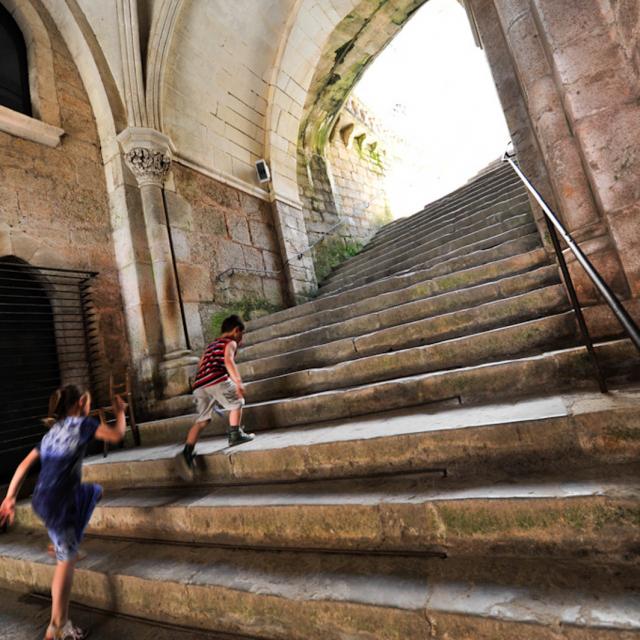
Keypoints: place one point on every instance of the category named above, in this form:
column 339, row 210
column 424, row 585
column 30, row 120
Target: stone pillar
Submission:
column 592, row 46
column 562, row 154
column 487, row 30
column 147, row 154
column 298, row 267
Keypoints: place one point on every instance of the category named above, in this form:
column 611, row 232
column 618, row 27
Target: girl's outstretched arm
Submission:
column 116, row 433
column 8, row 507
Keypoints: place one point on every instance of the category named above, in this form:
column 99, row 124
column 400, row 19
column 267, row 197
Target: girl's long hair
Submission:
column 61, row 402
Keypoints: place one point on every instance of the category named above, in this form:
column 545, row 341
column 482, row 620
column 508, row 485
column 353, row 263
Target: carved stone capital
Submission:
column 147, row 153
column 149, row 166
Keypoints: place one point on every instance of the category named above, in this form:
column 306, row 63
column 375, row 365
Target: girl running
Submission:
column 63, row 503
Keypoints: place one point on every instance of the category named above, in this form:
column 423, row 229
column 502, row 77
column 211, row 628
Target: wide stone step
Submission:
column 563, row 370
column 25, row 616
column 303, row 596
column 428, row 330
column 497, row 441
column 512, row 249
column 478, row 196
column 406, row 257
column 409, row 312
column 434, row 258
column 583, row 518
column 430, row 233
column 464, row 261
column 526, row 338
column 459, row 211
column 319, row 314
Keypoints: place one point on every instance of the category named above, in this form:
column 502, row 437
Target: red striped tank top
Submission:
column 212, row 369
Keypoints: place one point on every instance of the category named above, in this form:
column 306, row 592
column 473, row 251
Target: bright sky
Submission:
column 433, row 87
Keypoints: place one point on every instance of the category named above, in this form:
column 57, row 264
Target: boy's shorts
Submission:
column 224, row 393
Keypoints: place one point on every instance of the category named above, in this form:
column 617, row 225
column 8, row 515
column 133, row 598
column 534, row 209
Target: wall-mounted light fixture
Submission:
column 262, row 169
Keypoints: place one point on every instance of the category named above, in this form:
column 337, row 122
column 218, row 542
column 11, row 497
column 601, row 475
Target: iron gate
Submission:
column 45, row 318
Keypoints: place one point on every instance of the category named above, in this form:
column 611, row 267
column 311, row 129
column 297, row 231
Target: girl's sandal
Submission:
column 67, row 632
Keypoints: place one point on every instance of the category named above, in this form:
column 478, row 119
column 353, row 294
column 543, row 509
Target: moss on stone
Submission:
column 580, row 517
column 333, row 252
column 623, row 432
column 247, row 308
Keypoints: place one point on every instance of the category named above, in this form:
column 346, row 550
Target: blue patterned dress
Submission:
column 60, row 499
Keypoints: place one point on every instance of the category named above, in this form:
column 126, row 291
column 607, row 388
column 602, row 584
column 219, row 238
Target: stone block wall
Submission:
column 347, row 185
column 214, row 228
column 359, row 170
column 54, row 210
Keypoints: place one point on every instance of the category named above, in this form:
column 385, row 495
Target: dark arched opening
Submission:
column 29, row 367
column 14, row 68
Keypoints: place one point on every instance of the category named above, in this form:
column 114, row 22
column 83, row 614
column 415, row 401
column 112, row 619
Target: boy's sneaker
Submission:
column 185, row 465
column 238, row 436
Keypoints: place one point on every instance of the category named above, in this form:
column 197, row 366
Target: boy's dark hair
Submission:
column 61, row 402
column 230, row 323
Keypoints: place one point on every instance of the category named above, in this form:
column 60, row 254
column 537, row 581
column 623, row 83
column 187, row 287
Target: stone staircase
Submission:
column 433, row 460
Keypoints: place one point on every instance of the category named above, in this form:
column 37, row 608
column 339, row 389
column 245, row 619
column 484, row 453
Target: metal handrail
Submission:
column 264, row 272
column 556, row 227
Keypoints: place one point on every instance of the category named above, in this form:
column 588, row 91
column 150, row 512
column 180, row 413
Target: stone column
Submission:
column 147, row 154
column 560, row 149
column 487, row 30
column 592, row 46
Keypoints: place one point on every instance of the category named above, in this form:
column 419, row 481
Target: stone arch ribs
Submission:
column 157, row 54
column 353, row 45
column 144, row 67
column 324, row 49
column 134, row 90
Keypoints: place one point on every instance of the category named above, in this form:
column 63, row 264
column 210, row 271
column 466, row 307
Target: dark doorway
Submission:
column 29, row 368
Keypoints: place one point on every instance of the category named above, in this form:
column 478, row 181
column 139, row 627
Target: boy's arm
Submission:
column 8, row 507
column 230, row 364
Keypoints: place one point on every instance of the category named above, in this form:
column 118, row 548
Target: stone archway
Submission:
column 555, row 108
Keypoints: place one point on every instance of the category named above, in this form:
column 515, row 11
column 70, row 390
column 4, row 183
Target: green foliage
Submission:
column 333, row 252
column 247, row 308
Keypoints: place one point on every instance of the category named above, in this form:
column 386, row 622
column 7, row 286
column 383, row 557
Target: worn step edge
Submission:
column 477, row 199
column 560, row 370
column 457, row 212
column 471, row 190
column 570, row 368
column 408, row 312
column 461, row 263
column 406, row 256
column 447, row 284
column 473, row 319
column 432, row 233
column 532, row 435
column 579, row 519
column 413, row 264
column 440, row 352
column 509, row 250
column 286, row 595
column 524, row 338
column 429, row 232
column 523, row 226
